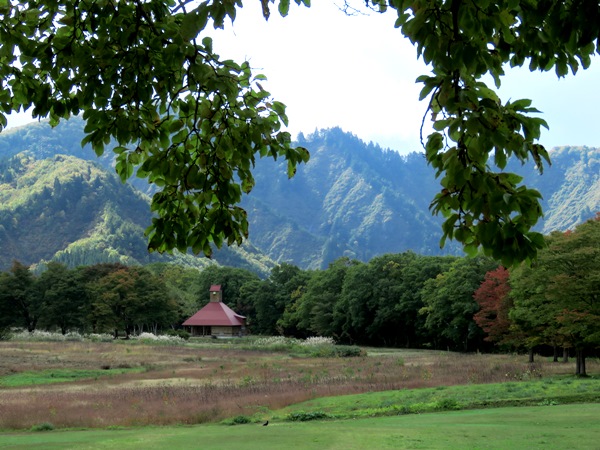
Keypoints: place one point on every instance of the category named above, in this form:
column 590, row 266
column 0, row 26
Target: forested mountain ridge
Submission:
column 73, row 211
column 47, row 205
column 571, row 187
column 351, row 199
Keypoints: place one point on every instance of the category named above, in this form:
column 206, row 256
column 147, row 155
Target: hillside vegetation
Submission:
column 65, row 209
column 352, row 199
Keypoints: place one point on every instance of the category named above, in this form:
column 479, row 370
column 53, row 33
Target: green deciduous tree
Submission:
column 149, row 84
column 417, row 271
column 128, row 298
column 557, row 301
column 63, row 297
column 380, row 301
column 8, row 316
column 449, row 304
column 180, row 284
column 312, row 311
column 533, row 315
column 19, row 297
column 576, row 287
column 270, row 297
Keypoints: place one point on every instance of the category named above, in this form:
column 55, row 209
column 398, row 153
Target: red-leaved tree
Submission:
column 494, row 304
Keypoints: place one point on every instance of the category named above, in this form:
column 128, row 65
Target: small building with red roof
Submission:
column 216, row 318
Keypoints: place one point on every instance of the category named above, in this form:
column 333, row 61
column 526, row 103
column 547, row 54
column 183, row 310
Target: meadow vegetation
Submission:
column 85, row 383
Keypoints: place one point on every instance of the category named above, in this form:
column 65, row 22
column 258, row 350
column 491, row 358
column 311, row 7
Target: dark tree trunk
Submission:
column 565, row 355
column 555, row 358
column 31, row 322
column 531, row 355
column 580, row 363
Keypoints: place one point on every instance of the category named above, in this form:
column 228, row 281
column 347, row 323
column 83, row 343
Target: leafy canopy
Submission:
column 146, row 78
column 463, row 41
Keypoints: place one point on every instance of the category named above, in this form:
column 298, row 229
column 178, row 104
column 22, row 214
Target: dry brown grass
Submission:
column 187, row 385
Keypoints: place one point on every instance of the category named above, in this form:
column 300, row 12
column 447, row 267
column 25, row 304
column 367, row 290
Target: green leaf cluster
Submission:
column 463, row 42
column 146, row 77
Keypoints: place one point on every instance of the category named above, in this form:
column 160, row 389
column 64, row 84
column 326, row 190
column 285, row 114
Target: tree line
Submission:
column 554, row 302
column 100, row 298
column 400, row 300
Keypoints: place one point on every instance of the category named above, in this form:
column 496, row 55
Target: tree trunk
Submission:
column 565, row 355
column 555, row 358
column 31, row 323
column 580, row 363
column 531, row 355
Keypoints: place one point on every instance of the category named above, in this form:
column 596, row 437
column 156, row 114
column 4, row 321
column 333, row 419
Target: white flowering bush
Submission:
column 45, row 336
column 274, row 343
column 99, row 337
column 150, row 338
column 73, row 336
column 317, row 340
column 50, row 336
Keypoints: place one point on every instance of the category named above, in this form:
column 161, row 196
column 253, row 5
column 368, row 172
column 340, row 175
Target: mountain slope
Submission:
column 351, row 199
column 74, row 211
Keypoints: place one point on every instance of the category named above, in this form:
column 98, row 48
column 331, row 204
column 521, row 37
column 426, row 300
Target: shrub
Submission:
column 95, row 337
column 317, row 340
column 73, row 336
column 274, row 343
column 448, row 404
column 46, row 336
column 44, row 426
column 37, row 336
column 178, row 333
column 5, row 334
column 302, row 416
column 238, row 420
column 149, row 338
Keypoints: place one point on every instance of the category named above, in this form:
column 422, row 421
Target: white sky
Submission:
column 359, row 73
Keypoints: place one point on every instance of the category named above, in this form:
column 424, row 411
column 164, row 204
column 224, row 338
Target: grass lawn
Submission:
column 60, row 376
column 541, row 427
column 545, row 392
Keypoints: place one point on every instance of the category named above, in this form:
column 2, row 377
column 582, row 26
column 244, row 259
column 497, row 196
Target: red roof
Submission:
column 215, row 287
column 216, row 314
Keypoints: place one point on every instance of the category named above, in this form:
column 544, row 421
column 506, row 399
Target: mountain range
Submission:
column 58, row 201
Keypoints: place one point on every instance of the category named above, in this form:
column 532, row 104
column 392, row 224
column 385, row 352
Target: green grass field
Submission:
column 541, row 427
column 544, row 392
column 60, row 376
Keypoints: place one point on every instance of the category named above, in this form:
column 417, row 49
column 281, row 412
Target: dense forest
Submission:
column 401, row 300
